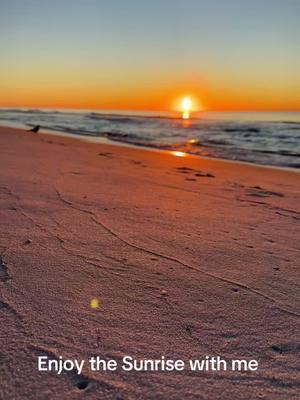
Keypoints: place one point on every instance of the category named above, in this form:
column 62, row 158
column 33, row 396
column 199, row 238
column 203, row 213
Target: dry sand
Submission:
column 183, row 265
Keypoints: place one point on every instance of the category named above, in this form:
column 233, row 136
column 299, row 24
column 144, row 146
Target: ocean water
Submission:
column 261, row 138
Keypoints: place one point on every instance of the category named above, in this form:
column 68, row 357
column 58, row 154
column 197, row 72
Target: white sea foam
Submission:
column 263, row 138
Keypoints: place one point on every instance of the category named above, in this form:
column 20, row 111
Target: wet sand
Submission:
column 186, row 256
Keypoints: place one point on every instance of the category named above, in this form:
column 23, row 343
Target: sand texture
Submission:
column 187, row 257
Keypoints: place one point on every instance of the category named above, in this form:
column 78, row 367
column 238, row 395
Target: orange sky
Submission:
column 166, row 98
column 137, row 58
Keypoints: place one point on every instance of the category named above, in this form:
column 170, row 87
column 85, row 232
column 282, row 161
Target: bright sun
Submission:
column 186, row 107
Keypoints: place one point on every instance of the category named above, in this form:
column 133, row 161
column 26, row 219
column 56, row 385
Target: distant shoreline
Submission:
column 106, row 141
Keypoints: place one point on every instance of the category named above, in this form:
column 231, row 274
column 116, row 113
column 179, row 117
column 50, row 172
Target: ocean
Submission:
column 261, row 138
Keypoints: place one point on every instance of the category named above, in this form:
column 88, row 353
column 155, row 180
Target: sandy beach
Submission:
column 186, row 257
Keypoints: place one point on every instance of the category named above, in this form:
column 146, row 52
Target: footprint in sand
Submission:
column 4, row 276
column 135, row 162
column 82, row 384
column 286, row 348
column 3, row 305
column 270, row 240
column 106, row 154
column 276, row 348
column 195, row 172
column 205, row 174
column 76, row 173
column 184, row 169
column 228, row 335
column 258, row 191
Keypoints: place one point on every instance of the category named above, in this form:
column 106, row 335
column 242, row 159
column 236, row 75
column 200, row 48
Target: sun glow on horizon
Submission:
column 186, row 107
column 178, row 153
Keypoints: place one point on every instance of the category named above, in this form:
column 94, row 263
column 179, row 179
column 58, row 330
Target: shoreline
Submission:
column 108, row 142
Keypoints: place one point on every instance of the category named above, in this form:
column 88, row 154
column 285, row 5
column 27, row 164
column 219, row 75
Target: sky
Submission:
column 233, row 55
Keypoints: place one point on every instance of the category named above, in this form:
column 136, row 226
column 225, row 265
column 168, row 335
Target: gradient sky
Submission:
column 144, row 54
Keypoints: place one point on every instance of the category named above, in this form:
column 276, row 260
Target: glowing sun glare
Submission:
column 178, row 153
column 186, row 107
column 95, row 303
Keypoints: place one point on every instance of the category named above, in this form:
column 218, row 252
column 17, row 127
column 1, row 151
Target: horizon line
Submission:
column 150, row 110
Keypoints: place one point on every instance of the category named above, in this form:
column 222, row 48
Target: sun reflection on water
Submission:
column 179, row 153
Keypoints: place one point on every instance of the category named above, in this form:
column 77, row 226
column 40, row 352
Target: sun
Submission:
column 187, row 106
